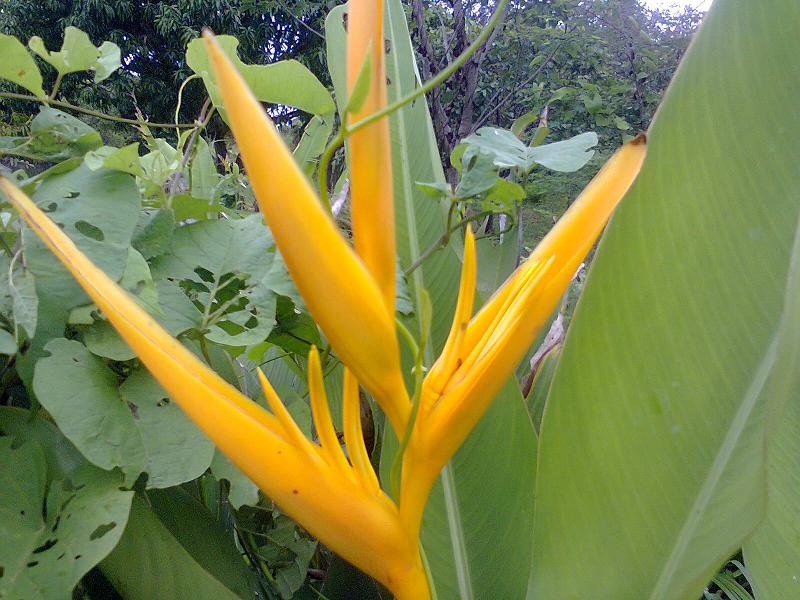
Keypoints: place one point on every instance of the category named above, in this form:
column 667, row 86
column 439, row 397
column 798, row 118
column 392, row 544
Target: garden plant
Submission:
column 217, row 383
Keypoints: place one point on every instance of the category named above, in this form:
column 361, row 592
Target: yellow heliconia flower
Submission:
column 350, row 294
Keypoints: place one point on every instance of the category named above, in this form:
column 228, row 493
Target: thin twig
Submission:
column 93, row 113
column 494, row 106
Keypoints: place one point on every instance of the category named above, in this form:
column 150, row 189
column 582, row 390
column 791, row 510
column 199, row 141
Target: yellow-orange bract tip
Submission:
column 340, row 292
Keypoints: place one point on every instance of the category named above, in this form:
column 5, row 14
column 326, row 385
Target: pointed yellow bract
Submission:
column 369, row 149
column 329, row 275
column 271, row 450
column 329, row 487
column 457, row 392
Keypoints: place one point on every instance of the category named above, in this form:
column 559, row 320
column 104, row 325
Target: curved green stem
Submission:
column 441, row 76
column 56, row 85
column 180, row 94
column 445, row 238
column 324, row 162
column 93, row 113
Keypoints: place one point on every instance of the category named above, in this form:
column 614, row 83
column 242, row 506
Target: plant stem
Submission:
column 440, row 77
column 180, row 94
column 93, row 113
column 56, row 85
column 322, row 170
column 445, row 238
column 204, row 349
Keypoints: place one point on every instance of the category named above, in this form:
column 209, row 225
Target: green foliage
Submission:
column 19, row 66
column 165, row 220
column 283, row 82
column 658, row 442
column 61, row 516
column 667, row 449
column 54, row 136
column 153, row 36
column 173, row 548
column 79, row 54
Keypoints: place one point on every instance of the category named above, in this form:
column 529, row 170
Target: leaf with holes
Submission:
column 54, row 136
column 177, row 451
column 134, row 426
column 227, row 268
column 98, row 210
column 43, row 558
column 81, row 394
column 173, row 548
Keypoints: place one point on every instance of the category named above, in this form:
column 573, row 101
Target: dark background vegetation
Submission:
column 597, row 65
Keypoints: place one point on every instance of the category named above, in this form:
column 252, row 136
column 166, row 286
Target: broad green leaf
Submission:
column 508, row 151
column 651, row 470
column 177, row 451
column 80, row 392
column 18, row 65
column 436, row 189
column 242, row 490
column 153, row 234
column 134, row 426
column 55, row 136
column 567, row 155
column 24, row 301
column 203, row 170
column 228, row 266
column 78, row 53
column 503, row 196
column 8, row 345
column 312, row 142
column 520, row 124
column 496, row 259
column 478, row 172
column 285, row 82
column 173, row 548
column 44, row 557
column 484, row 501
column 772, row 553
column 102, row 340
column 540, row 386
column 62, row 457
column 125, row 159
column 179, row 314
column 98, row 210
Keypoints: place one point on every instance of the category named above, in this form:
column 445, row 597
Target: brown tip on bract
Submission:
column 639, row 140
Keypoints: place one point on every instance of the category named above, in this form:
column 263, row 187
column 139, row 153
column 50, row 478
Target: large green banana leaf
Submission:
column 476, row 531
column 652, row 456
